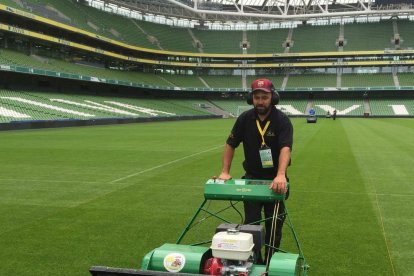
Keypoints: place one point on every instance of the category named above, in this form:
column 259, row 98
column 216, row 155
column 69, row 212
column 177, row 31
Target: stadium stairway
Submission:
column 216, row 110
column 367, row 107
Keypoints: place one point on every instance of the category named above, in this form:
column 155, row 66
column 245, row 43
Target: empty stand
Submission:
column 406, row 79
column 16, row 58
column 267, row 41
column 12, row 4
column 226, row 42
column 223, row 81
column 358, row 36
column 368, row 36
column 344, row 107
column 406, row 33
column 170, row 38
column 183, row 80
column 314, row 39
column 37, row 105
column 392, row 107
column 311, row 80
column 367, row 80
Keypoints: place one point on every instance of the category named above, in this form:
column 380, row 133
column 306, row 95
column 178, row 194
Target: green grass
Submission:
column 71, row 198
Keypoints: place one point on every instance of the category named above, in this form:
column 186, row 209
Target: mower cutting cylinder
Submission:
column 285, row 264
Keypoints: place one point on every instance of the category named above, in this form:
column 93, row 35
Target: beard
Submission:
column 262, row 110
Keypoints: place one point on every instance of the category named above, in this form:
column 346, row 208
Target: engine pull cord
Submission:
column 272, row 234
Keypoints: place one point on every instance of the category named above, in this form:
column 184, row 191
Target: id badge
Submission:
column 266, row 157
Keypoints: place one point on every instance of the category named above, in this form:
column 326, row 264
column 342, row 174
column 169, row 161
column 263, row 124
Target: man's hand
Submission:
column 224, row 176
column 279, row 184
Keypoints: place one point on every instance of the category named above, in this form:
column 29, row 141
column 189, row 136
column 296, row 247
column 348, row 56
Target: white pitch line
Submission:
column 47, row 180
column 165, row 164
column 385, row 236
column 376, row 202
column 352, row 193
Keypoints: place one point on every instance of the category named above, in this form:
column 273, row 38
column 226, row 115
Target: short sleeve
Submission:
column 286, row 133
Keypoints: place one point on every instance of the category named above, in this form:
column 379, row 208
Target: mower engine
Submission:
column 232, row 254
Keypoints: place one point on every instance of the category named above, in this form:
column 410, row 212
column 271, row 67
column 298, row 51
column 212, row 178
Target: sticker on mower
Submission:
column 174, row 262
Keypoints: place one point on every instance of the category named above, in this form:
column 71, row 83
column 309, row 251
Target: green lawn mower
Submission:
column 234, row 248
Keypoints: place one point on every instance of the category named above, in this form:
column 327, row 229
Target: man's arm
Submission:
column 227, row 159
column 279, row 183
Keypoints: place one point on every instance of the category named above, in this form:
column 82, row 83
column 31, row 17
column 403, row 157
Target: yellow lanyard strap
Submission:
column 262, row 131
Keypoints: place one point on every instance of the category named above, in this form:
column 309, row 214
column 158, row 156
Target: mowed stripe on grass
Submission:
column 336, row 219
column 386, row 160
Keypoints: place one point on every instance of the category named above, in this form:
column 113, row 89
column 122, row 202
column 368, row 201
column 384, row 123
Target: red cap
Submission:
column 262, row 85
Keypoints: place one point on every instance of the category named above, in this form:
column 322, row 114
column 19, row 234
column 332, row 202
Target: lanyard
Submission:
column 262, row 131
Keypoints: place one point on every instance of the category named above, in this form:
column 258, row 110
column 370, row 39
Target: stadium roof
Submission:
column 269, row 10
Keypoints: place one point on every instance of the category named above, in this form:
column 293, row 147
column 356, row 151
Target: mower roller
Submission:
column 234, row 248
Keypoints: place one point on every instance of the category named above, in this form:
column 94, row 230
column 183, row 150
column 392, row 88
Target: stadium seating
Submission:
column 219, row 42
column 129, row 31
column 10, row 57
column 223, row 81
column 293, row 107
column 231, row 106
column 169, row 38
column 406, row 32
column 183, row 80
column 311, row 80
column 344, row 107
column 294, row 81
column 358, row 36
column 267, row 41
column 368, row 80
column 305, row 38
column 406, row 79
column 38, row 105
column 314, row 39
column 392, row 107
column 53, row 106
column 368, row 36
column 12, row 4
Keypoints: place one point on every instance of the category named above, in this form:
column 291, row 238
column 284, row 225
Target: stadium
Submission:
column 114, row 113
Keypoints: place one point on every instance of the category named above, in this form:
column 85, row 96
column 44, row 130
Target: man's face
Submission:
column 262, row 102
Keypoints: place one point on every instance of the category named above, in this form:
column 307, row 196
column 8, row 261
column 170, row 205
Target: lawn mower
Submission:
column 234, row 248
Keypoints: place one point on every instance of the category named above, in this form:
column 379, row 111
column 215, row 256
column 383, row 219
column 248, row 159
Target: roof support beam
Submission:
column 276, row 10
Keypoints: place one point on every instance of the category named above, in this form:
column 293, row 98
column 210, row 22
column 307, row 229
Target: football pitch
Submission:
column 71, row 198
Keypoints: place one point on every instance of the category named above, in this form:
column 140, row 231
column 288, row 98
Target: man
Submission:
column 267, row 137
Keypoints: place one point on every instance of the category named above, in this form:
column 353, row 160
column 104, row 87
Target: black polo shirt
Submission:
column 278, row 135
